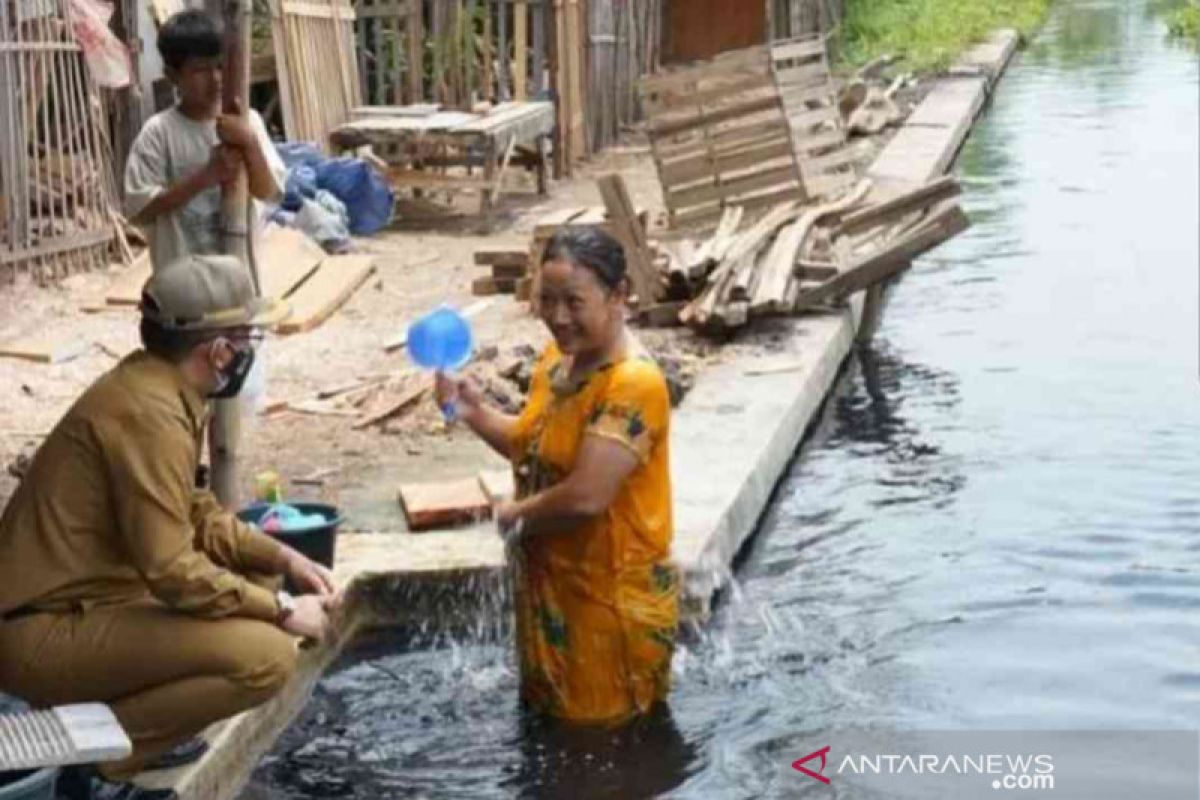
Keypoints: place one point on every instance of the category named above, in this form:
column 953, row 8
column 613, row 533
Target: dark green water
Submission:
column 997, row 524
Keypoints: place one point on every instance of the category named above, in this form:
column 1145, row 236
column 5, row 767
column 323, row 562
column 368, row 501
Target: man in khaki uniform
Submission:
column 120, row 582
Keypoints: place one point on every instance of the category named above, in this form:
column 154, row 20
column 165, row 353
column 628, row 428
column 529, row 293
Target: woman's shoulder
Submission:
column 639, row 371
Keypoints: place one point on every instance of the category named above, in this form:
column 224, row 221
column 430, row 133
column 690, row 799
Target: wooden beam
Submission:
column 629, row 232
column 933, row 192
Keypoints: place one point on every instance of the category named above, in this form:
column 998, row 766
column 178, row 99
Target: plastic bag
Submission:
column 301, row 184
column 369, row 200
column 106, row 56
column 325, row 227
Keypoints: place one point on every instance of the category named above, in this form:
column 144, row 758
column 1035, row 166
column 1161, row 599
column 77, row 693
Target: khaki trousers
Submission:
column 166, row 675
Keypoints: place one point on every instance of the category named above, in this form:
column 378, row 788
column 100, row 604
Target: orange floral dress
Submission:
column 597, row 608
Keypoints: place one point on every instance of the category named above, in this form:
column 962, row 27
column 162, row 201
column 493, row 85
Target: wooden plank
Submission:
column 753, row 106
column 934, row 192
column 724, row 140
column 504, row 272
column 808, row 75
column 797, row 96
column 288, row 258
column 43, row 351
column 320, row 296
column 703, row 165
column 732, row 187
column 947, row 221
column 488, row 285
column 795, row 50
column 428, row 505
column 520, row 49
column 495, row 258
column 629, row 232
column 696, row 216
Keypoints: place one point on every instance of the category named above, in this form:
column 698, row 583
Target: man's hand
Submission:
column 309, row 620
column 234, row 129
column 223, row 166
column 307, row 575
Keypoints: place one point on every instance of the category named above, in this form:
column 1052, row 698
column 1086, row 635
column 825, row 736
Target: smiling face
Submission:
column 584, row 316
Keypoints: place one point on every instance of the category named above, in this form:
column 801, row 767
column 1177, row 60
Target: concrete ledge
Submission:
column 731, row 442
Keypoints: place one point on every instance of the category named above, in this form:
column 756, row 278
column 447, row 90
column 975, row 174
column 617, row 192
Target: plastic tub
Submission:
column 318, row 543
column 28, row 784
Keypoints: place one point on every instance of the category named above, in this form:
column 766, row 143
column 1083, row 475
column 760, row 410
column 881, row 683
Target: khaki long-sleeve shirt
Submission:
column 109, row 512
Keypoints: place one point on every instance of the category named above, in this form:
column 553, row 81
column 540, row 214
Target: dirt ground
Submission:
column 419, row 265
column 422, row 262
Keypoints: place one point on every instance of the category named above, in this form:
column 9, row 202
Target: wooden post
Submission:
column 520, row 50
column 225, row 429
column 416, row 57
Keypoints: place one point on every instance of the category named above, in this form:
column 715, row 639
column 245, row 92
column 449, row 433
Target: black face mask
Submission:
column 233, row 377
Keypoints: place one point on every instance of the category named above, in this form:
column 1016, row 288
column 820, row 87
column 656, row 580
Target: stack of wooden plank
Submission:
column 509, row 273
column 799, row 257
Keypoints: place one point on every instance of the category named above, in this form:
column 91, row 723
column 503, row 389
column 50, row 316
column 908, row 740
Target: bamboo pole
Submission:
column 225, row 430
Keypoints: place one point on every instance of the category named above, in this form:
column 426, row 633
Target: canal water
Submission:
column 995, row 526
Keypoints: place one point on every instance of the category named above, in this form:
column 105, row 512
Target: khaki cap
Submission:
column 196, row 293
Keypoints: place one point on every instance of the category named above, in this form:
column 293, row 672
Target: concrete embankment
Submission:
column 732, row 440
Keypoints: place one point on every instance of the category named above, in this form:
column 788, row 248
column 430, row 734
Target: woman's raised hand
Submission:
column 460, row 394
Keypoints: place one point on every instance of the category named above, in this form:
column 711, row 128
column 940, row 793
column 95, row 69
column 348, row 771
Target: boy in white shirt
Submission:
column 184, row 155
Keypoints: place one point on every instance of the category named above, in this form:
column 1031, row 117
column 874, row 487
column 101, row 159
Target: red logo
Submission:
column 798, row 764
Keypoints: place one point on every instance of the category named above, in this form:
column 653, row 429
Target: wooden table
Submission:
column 419, row 142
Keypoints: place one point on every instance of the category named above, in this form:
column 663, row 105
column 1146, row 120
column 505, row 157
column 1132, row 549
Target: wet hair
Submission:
column 592, row 248
column 189, row 34
column 172, row 345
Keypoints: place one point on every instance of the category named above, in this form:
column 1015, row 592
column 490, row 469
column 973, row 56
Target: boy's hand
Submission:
column 233, row 129
column 223, row 167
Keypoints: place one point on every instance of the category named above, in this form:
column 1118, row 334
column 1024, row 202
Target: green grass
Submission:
column 1184, row 22
column 929, row 34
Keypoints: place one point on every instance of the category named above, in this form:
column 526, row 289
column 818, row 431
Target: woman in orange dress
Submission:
column 596, row 596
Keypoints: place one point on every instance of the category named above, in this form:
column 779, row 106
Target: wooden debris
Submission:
column 428, row 505
column 320, row 408
column 325, row 292
column 944, row 222
column 661, row 315
column 916, row 200
column 393, row 403
column 44, row 352
column 316, row 478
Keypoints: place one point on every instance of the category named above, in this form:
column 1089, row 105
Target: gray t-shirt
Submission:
column 172, row 147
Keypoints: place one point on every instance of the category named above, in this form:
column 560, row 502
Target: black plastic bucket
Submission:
column 318, row 543
column 29, row 784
